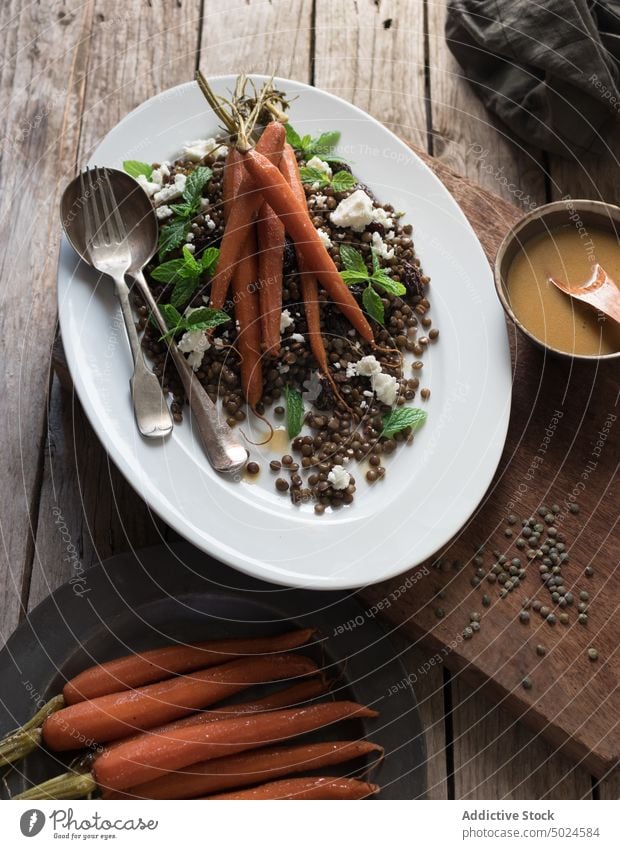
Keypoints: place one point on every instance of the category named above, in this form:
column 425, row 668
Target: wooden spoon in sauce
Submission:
column 599, row 292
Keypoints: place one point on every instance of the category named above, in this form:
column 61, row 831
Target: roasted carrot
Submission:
column 148, row 757
column 121, row 714
column 233, row 175
column 308, row 281
column 270, row 232
column 248, row 768
column 289, row 697
column 241, row 215
column 247, row 313
column 306, row 788
column 136, row 670
column 284, row 202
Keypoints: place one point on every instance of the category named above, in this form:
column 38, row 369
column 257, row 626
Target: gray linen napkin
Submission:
column 549, row 69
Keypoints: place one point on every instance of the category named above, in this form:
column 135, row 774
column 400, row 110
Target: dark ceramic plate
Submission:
column 138, row 601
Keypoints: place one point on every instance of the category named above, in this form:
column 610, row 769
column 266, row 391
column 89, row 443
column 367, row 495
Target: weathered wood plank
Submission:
column 42, row 89
column 372, row 54
column 87, row 510
column 497, row 757
column 594, row 177
column 259, row 36
column 466, row 137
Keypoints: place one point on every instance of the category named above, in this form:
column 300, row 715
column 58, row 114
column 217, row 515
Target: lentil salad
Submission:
column 360, row 412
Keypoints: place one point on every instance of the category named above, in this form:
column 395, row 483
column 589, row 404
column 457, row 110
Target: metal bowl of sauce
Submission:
column 565, row 240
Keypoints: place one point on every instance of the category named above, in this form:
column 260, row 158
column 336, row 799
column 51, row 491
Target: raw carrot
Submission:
column 121, row 714
column 270, row 269
column 306, row 788
column 241, row 214
column 151, row 755
column 248, row 768
column 136, row 670
column 247, row 313
column 284, row 202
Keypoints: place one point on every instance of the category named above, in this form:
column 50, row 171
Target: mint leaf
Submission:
column 293, row 137
column 306, row 144
column 343, row 181
column 205, row 318
column 373, row 304
column 183, row 210
column 168, row 272
column 194, row 185
column 294, row 411
column 401, row 418
column 173, row 319
column 353, row 277
column 191, row 263
column 171, row 236
column 313, row 175
column 325, row 143
column 385, row 282
column 183, row 290
column 353, row 260
column 208, row 260
column 134, row 168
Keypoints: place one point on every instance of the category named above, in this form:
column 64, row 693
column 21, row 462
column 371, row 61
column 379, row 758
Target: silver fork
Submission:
column 109, row 252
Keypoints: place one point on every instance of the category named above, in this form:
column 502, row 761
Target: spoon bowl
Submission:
column 136, row 211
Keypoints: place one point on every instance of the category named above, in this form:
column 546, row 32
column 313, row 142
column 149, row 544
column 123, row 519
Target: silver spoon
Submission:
column 224, row 451
column 93, row 225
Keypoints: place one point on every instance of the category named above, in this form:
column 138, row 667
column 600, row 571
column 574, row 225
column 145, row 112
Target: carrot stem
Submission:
column 69, row 785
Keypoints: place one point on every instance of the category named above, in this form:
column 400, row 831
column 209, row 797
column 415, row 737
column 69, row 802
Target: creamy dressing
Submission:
column 549, row 314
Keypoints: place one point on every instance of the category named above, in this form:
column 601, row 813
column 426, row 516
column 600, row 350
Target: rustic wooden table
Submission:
column 70, row 71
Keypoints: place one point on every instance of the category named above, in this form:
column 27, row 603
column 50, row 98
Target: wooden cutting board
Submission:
column 561, row 447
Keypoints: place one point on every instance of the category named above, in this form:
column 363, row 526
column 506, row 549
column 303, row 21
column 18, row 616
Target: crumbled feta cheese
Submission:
column 194, row 343
column 286, row 320
column 205, row 203
column 380, row 216
column 297, row 337
column 191, row 248
column 339, row 477
column 190, row 237
column 385, row 388
column 319, row 165
column 381, row 249
column 198, row 149
column 320, row 201
column 355, row 211
column 149, row 187
column 325, row 238
column 172, row 191
column 163, row 211
column 368, row 366
column 157, row 176
column 209, row 222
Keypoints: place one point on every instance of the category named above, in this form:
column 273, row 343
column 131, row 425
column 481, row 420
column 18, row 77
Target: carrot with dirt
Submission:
column 270, row 232
column 209, row 777
column 151, row 755
column 121, row 714
column 305, row 788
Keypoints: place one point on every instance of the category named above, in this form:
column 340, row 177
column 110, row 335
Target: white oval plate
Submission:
column 431, row 488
